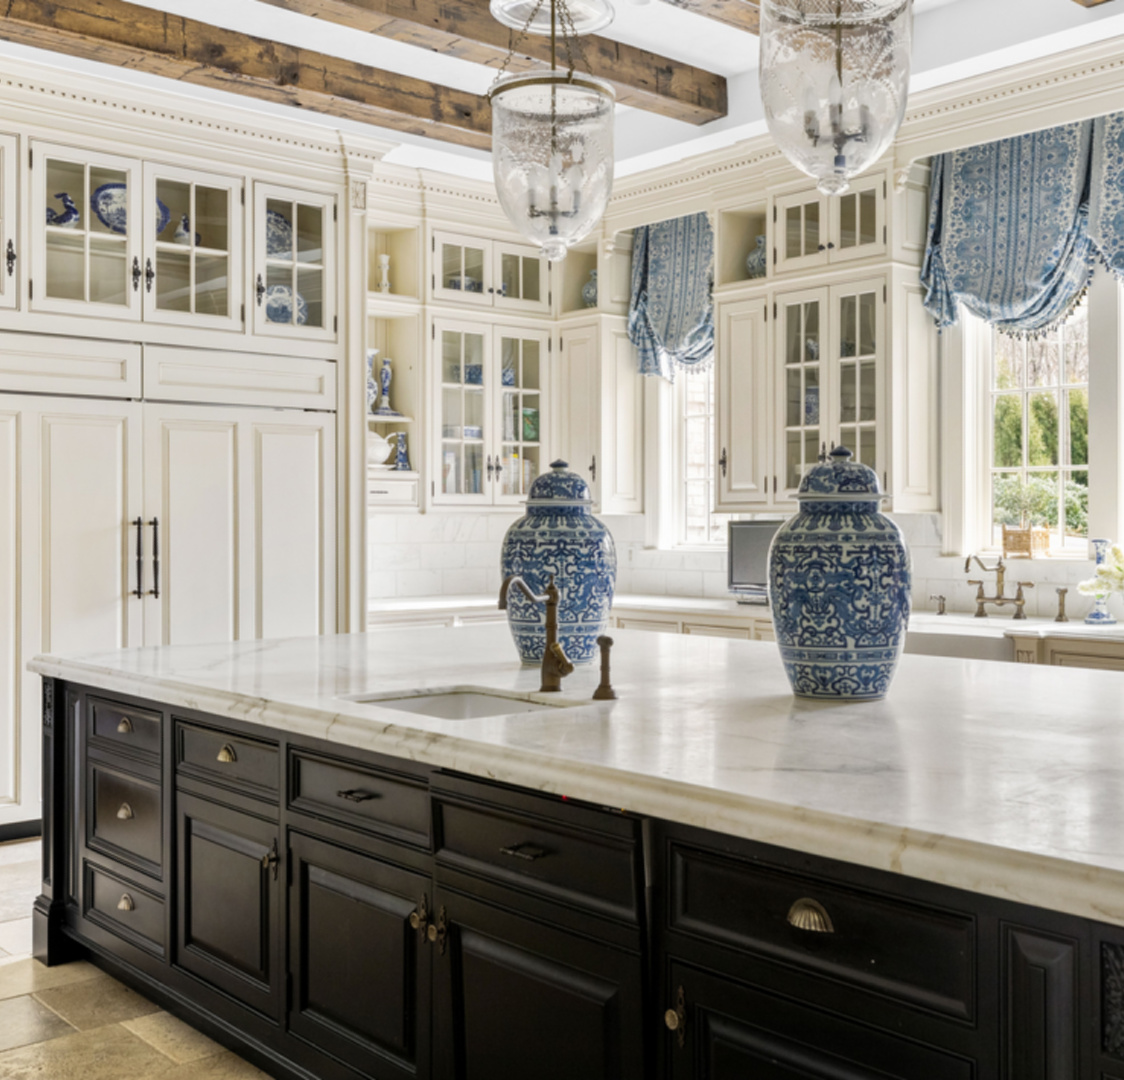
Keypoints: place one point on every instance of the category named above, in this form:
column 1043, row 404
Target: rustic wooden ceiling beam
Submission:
column 465, row 29
column 128, row 35
column 740, row 14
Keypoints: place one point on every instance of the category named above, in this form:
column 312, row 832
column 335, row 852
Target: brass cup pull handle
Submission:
column 125, row 813
column 676, row 1019
column 810, row 915
column 526, row 852
column 357, row 795
column 124, row 726
column 126, row 903
column 226, row 755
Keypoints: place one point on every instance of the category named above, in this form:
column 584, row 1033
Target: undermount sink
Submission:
column 465, row 703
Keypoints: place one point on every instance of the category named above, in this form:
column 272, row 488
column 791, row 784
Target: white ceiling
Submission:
column 953, row 39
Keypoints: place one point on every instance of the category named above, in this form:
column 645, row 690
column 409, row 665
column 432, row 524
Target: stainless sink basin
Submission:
column 465, row 703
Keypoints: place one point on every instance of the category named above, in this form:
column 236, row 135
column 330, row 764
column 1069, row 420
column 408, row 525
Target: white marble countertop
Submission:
column 1003, row 779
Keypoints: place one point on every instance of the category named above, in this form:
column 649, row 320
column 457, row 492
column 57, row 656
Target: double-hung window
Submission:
column 697, row 521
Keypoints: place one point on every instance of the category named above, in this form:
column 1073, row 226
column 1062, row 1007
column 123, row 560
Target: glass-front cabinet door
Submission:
column 462, row 269
column 522, row 356
column 858, row 352
column 858, row 220
column 193, row 256
column 464, row 465
column 489, row 399
column 523, row 279
column 801, row 367
column 294, row 260
column 800, row 231
column 86, row 213
column 10, row 274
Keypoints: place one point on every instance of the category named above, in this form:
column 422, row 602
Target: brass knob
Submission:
column 810, row 915
column 676, row 1019
column 124, row 726
column 126, row 903
column 431, row 933
column 415, row 920
column 671, row 1019
column 125, row 813
column 227, row 754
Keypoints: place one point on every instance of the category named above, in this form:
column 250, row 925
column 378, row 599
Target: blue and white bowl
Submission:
column 279, row 305
column 839, row 585
column 559, row 535
column 110, row 204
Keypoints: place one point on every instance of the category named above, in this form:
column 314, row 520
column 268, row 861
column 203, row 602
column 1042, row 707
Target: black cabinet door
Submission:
column 361, row 971
column 228, row 893
column 722, row 1030
column 514, row 998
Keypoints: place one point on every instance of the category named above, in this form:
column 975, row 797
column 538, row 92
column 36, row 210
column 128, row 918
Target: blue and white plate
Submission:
column 473, row 431
column 278, row 235
column 279, row 305
column 474, row 374
column 110, row 203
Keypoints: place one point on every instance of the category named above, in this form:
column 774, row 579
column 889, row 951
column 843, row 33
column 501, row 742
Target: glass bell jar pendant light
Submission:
column 552, row 132
column 834, row 82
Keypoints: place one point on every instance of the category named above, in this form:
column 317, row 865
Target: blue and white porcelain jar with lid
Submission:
column 559, row 535
column 839, row 585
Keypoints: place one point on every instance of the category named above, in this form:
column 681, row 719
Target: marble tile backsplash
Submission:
column 451, row 554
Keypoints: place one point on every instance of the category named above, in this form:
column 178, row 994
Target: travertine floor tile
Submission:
column 15, row 936
column 20, row 884
column 173, row 1037
column 23, row 1021
column 27, row 976
column 96, row 1002
column 109, row 1053
column 224, row 1066
column 21, row 851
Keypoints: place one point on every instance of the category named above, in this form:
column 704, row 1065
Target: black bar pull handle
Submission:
column 155, row 590
column 139, row 590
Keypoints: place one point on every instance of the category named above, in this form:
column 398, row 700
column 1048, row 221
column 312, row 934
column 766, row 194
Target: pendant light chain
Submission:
column 570, row 38
column 515, row 43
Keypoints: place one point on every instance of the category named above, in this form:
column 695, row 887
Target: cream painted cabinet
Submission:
column 70, row 500
column 601, row 412
column 490, row 388
column 239, row 524
column 294, row 263
column 489, row 273
column 743, row 455
column 123, row 524
column 811, row 230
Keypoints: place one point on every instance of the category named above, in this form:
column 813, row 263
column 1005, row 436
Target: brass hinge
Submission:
column 433, row 243
column 243, row 312
column 885, row 190
column 774, row 309
column 335, row 212
column 550, row 298
column 30, row 157
column 774, row 215
column 885, row 293
column 242, row 192
column 433, row 331
column 885, row 233
column 335, row 324
column 30, row 289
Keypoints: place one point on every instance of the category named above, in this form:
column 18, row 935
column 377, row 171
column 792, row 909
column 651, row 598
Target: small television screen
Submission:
column 748, row 554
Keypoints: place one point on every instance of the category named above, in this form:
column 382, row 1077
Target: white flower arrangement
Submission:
column 1109, row 576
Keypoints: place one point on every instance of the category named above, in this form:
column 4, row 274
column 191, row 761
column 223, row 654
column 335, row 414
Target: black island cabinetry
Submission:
column 339, row 914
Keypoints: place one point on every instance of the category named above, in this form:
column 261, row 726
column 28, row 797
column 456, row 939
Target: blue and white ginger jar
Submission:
column 757, row 261
column 839, row 585
column 589, row 290
column 559, row 535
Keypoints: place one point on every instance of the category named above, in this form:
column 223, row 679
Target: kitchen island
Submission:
column 949, row 861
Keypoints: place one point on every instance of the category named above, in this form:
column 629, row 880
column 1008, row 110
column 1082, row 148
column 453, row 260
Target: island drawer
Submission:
column 124, row 727
column 124, row 817
column 542, row 846
column 359, row 797
column 123, row 908
column 234, row 761
column 923, row 956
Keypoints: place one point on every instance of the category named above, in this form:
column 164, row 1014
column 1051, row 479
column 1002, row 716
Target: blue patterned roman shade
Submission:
column 1009, row 230
column 1106, row 201
column 671, row 313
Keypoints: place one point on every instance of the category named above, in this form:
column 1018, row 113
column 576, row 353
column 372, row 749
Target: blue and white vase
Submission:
column 839, row 584
column 372, row 381
column 589, row 290
column 1100, row 615
column 559, row 535
column 757, row 261
column 401, row 454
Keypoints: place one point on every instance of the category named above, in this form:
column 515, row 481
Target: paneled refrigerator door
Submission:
column 86, row 228
column 294, row 264
column 521, row 360
column 11, row 272
column 193, row 255
column 72, row 496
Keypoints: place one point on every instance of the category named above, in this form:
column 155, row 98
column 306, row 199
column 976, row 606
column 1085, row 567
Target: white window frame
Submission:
column 679, row 458
column 966, row 425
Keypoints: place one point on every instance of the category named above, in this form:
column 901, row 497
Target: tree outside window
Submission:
column 1040, row 433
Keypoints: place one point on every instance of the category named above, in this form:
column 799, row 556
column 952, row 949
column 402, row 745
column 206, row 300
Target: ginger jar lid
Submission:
column 839, row 478
column 559, row 487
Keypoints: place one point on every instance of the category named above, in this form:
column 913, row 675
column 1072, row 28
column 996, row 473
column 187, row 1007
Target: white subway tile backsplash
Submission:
column 391, row 557
column 465, row 582
column 684, row 583
column 482, row 556
column 420, row 583
column 649, row 582
column 382, row 586
column 498, row 524
column 441, row 556
column 382, row 527
column 716, row 586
